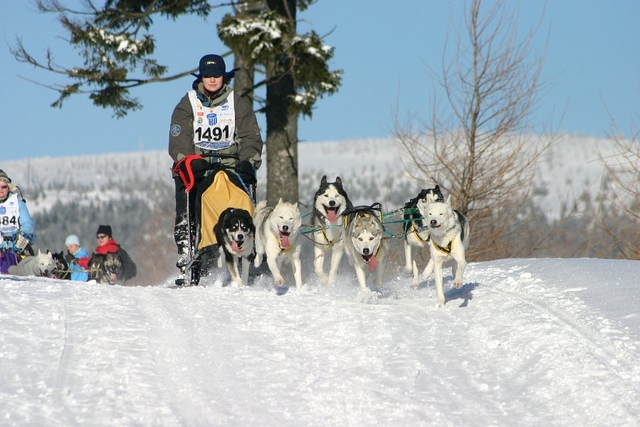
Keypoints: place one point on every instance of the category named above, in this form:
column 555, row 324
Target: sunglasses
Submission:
column 102, row 236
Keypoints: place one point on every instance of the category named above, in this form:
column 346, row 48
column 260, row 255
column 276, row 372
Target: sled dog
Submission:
column 62, row 266
column 235, row 235
column 329, row 204
column 414, row 229
column 277, row 237
column 41, row 265
column 363, row 243
column 449, row 240
column 106, row 268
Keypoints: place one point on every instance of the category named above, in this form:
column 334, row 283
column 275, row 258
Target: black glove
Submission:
column 246, row 172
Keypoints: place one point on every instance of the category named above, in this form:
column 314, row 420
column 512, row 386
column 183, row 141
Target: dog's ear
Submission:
column 448, row 201
column 430, row 198
column 323, row 181
column 338, row 181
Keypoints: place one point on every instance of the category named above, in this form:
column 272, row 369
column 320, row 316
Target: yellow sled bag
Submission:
column 220, row 195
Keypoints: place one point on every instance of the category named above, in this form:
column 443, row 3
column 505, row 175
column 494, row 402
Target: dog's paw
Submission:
column 279, row 281
column 458, row 285
column 323, row 278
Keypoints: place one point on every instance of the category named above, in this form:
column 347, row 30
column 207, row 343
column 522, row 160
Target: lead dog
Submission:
column 363, row 243
column 40, row 265
column 449, row 240
column 235, row 233
column 415, row 232
column 329, row 205
column 277, row 237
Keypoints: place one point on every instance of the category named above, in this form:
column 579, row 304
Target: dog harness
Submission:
column 446, row 250
column 416, row 233
column 213, row 127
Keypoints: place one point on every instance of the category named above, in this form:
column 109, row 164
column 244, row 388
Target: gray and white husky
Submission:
column 449, row 240
column 364, row 245
column 329, row 204
column 41, row 265
column 278, row 237
column 416, row 233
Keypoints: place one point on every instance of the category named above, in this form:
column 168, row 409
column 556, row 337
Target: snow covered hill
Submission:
column 525, row 342
column 371, row 169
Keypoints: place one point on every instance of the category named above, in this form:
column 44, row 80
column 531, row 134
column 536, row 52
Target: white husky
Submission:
column 278, row 236
column 449, row 240
column 329, row 204
column 364, row 245
column 41, row 265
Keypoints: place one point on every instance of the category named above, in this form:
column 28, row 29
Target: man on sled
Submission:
column 215, row 143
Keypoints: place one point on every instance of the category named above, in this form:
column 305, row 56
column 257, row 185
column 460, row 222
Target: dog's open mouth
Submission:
column 236, row 246
column 332, row 212
column 371, row 261
column 434, row 226
column 284, row 239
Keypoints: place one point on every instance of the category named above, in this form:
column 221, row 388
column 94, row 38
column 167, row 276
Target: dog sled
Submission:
column 216, row 188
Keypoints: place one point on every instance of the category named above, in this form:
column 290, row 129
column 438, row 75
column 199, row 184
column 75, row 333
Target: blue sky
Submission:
column 593, row 60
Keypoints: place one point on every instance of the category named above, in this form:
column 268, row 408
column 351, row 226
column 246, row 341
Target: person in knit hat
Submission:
column 16, row 225
column 107, row 244
column 212, row 127
column 74, row 253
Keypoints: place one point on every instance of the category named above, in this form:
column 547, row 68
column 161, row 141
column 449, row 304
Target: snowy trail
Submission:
column 510, row 348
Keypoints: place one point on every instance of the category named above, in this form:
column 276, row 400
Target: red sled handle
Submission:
column 184, row 170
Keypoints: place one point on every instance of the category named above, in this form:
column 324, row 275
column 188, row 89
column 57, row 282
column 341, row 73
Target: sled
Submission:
column 221, row 188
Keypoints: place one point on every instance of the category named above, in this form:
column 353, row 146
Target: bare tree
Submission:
column 477, row 143
column 617, row 209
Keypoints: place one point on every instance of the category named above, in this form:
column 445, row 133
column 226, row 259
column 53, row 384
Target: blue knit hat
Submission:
column 72, row 239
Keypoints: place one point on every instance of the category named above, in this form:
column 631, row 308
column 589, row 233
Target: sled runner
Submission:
column 216, row 189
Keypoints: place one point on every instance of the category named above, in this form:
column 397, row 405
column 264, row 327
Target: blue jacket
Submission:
column 78, row 273
column 26, row 227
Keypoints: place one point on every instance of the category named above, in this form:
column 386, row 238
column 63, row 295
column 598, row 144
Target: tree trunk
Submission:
column 282, row 124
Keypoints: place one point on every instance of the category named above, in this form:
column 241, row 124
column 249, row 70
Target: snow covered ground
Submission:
column 525, row 342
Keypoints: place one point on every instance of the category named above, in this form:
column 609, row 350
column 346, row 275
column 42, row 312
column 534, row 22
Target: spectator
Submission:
column 107, row 244
column 74, row 253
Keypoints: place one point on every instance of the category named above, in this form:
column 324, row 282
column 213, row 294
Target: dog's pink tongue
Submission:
column 284, row 241
column 373, row 263
column 235, row 247
column 332, row 215
column 113, row 278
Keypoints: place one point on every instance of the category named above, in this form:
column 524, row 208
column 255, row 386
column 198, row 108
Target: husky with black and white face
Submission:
column 449, row 240
column 235, row 233
column 365, row 247
column 329, row 204
column 416, row 234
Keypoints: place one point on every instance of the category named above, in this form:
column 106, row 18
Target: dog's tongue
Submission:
column 373, row 263
column 332, row 215
column 113, row 278
column 235, row 247
column 284, row 241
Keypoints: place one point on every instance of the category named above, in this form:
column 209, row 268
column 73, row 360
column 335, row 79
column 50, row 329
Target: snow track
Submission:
column 512, row 347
